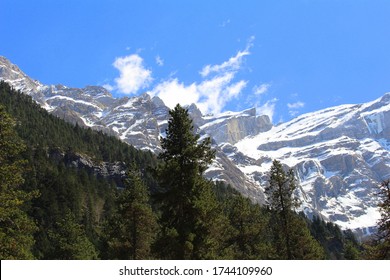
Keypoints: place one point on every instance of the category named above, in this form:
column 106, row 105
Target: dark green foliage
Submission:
column 16, row 228
column 249, row 236
column 291, row 236
column 131, row 231
column 191, row 216
column 384, row 222
column 40, row 129
column 69, row 241
column 379, row 247
column 63, row 189
column 337, row 244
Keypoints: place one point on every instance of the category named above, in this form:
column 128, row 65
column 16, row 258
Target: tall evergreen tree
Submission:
column 16, row 228
column 280, row 199
column 191, row 216
column 132, row 230
column 292, row 237
column 383, row 247
column 249, row 237
column 70, row 242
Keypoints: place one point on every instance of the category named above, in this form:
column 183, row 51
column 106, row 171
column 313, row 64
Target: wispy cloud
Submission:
column 293, row 107
column 267, row 108
column 232, row 65
column 217, row 88
column 108, row 87
column 296, row 105
column 225, row 23
column 261, row 89
column 133, row 76
column 159, row 61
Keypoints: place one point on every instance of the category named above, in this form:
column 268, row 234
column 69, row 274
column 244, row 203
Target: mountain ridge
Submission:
column 139, row 121
column 340, row 154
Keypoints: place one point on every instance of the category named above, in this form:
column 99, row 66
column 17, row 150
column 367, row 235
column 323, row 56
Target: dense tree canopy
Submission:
column 16, row 228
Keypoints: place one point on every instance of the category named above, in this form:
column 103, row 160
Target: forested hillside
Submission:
column 156, row 208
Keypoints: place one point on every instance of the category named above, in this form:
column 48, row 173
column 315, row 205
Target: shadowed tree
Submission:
column 192, row 220
column 292, row 237
column 70, row 241
column 133, row 228
column 16, row 228
column 383, row 236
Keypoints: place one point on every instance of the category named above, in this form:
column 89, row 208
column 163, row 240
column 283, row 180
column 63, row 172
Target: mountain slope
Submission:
column 340, row 155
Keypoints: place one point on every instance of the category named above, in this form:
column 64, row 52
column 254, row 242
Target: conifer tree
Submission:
column 191, row 216
column 69, row 240
column 292, row 237
column 383, row 247
column 280, row 199
column 132, row 230
column 16, row 228
column 249, row 235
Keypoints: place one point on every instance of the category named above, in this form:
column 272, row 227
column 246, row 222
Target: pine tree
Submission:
column 249, row 235
column 191, row 216
column 383, row 237
column 70, row 242
column 292, row 237
column 16, row 228
column 132, row 230
column 280, row 199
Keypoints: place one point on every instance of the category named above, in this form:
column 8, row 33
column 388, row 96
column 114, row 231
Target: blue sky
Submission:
column 283, row 57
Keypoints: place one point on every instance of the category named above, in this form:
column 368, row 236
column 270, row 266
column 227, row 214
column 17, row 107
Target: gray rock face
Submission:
column 231, row 128
column 115, row 171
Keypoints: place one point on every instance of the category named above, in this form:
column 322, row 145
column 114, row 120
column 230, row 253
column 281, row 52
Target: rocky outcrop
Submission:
column 231, row 128
column 114, row 171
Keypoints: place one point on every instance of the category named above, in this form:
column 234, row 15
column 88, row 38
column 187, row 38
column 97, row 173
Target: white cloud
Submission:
column 296, row 105
column 235, row 89
column 159, row 61
column 108, row 87
column 173, row 92
column 213, row 93
column 232, row 65
column 267, row 109
column 261, row 89
column 133, row 75
column 293, row 108
column 210, row 95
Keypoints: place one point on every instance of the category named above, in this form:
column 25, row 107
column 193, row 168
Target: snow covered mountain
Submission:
column 340, row 154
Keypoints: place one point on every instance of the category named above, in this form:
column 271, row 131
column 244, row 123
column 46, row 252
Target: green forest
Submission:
column 56, row 203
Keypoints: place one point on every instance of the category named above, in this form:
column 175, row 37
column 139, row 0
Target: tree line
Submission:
column 164, row 208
